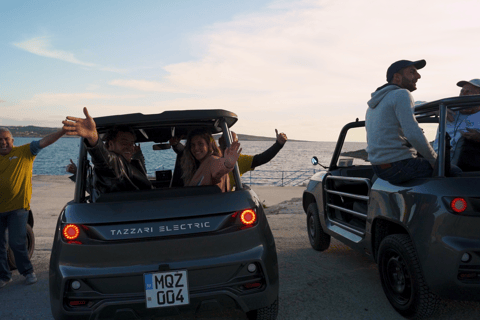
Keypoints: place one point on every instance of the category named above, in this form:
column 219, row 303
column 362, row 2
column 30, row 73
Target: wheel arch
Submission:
column 382, row 228
column 308, row 198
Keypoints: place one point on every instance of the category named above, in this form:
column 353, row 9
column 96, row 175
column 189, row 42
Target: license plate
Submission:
column 166, row 289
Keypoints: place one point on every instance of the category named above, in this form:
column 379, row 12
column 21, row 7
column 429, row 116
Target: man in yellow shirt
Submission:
column 248, row 163
column 16, row 165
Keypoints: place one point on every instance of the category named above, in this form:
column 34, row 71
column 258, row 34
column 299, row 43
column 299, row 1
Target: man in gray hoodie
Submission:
column 393, row 135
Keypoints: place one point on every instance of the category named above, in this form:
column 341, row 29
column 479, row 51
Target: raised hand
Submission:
column 84, row 128
column 231, row 154
column 174, row 140
column 281, row 138
column 71, row 167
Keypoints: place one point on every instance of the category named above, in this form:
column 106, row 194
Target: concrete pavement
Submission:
column 336, row 284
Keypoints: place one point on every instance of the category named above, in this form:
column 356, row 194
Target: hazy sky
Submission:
column 303, row 67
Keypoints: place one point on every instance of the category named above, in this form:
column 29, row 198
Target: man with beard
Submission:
column 393, row 134
column 464, row 123
column 463, row 127
column 115, row 167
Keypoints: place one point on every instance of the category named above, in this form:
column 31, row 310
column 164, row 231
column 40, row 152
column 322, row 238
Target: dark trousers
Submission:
column 404, row 170
column 16, row 223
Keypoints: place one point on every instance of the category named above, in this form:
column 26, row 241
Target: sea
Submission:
column 291, row 166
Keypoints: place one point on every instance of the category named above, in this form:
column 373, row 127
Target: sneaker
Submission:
column 3, row 283
column 30, row 278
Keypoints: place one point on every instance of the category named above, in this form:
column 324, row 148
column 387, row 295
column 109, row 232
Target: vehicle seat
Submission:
column 177, row 180
column 467, row 155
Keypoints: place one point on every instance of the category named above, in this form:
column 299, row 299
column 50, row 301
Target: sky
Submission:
column 305, row 68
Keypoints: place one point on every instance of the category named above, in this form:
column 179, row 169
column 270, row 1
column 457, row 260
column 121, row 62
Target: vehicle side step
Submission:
column 347, row 227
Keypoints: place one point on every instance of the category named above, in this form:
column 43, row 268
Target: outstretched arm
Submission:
column 271, row 152
column 51, row 138
column 84, row 128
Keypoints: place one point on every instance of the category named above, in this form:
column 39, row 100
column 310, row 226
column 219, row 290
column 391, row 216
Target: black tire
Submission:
column 319, row 240
column 267, row 313
column 402, row 278
column 30, row 247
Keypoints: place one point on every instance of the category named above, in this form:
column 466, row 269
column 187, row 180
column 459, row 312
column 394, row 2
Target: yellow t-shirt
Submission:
column 16, row 179
column 244, row 165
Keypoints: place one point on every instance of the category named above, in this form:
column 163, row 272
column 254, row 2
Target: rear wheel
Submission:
column 402, row 278
column 30, row 248
column 319, row 240
column 267, row 313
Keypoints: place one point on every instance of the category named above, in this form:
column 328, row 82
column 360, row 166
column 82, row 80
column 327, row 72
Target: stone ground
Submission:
column 338, row 283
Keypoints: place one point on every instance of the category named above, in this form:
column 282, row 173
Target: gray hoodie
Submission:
column 390, row 122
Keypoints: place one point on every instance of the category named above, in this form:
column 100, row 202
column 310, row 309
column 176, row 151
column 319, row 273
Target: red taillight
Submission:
column 252, row 285
column 71, row 232
column 458, row 205
column 76, row 303
column 248, row 217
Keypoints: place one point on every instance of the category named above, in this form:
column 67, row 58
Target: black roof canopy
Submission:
column 158, row 127
column 454, row 102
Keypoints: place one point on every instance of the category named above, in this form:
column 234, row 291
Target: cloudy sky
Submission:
column 303, row 67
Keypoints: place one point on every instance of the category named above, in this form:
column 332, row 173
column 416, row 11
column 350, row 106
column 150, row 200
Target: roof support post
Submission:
column 80, row 181
column 441, row 139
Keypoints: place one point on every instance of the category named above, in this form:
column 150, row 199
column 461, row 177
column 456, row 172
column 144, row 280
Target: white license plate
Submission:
column 166, row 289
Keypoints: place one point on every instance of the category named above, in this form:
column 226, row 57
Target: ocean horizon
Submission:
column 294, row 156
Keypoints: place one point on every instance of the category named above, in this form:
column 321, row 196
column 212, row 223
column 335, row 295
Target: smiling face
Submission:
column 199, row 148
column 409, row 77
column 123, row 144
column 6, row 143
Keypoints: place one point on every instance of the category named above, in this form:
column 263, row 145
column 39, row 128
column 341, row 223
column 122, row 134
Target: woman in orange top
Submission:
column 202, row 162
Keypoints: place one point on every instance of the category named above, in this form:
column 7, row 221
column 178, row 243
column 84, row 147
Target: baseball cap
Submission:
column 401, row 64
column 473, row 82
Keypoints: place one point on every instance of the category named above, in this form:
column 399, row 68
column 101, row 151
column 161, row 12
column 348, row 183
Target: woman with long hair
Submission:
column 202, row 161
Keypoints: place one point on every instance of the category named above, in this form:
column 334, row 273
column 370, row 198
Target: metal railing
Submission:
column 277, row 178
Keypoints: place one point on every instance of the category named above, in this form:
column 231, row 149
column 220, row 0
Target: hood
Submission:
column 380, row 93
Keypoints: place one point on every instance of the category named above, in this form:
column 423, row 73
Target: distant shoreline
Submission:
column 40, row 132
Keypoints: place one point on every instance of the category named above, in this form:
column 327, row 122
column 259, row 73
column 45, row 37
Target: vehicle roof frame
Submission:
column 454, row 103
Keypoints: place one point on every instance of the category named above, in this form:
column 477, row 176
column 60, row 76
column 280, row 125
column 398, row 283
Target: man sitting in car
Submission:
column 390, row 122
column 114, row 166
column 463, row 127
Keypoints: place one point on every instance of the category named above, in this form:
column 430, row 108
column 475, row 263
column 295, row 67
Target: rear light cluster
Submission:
column 464, row 206
column 247, row 217
column 73, row 233
column 458, row 205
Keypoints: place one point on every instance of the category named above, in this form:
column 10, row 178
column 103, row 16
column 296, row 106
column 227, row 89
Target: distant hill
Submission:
column 30, row 131
column 34, row 131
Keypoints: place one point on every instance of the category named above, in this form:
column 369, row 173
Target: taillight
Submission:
column 458, row 205
column 77, row 303
column 248, row 217
column 71, row 232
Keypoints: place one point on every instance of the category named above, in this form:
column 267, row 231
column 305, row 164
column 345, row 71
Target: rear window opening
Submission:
column 155, row 194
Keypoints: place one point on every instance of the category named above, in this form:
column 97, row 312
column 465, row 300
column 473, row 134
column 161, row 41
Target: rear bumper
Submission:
column 449, row 276
column 213, row 283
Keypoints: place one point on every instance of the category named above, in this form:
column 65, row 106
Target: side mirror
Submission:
column 161, row 146
column 314, row 160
